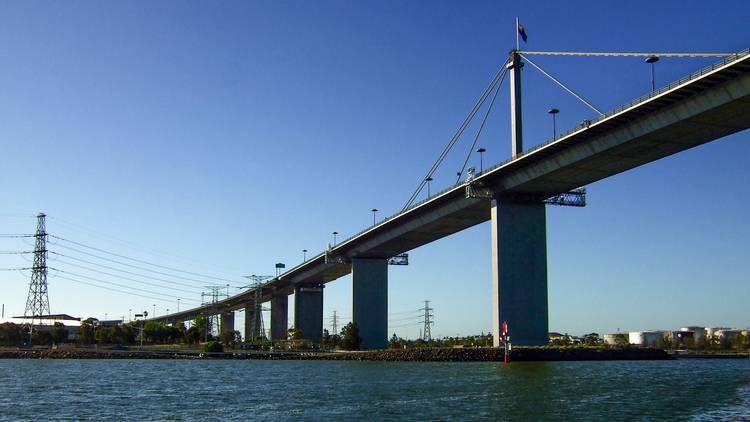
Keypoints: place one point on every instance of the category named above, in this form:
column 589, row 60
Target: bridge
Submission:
column 707, row 105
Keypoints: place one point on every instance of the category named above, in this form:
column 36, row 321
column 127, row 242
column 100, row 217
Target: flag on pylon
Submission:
column 522, row 31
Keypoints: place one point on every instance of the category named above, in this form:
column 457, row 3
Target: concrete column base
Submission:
column 519, row 272
column 308, row 311
column 370, row 301
column 226, row 322
column 279, row 317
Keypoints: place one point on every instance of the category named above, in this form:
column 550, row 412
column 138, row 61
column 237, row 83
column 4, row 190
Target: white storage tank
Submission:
column 645, row 338
column 698, row 332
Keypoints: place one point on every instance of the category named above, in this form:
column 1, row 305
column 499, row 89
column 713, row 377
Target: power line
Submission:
column 129, row 279
column 120, row 270
column 13, row 236
column 130, row 244
column 123, row 286
column 144, row 262
column 111, row 289
column 126, row 264
column 15, row 252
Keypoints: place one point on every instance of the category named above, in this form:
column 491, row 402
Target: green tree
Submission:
column 86, row 331
column 201, row 324
column 350, row 339
column 395, row 342
column 592, row 339
column 294, row 334
column 59, row 333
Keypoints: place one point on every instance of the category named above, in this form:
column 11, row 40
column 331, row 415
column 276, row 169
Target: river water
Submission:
column 342, row 390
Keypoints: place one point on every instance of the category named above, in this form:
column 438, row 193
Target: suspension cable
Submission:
column 624, row 54
column 563, row 85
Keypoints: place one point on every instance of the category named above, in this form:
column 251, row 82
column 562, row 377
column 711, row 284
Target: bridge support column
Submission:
column 279, row 316
column 370, row 301
column 308, row 311
column 226, row 323
column 519, row 272
column 252, row 322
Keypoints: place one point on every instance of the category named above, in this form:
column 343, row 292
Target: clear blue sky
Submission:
column 236, row 134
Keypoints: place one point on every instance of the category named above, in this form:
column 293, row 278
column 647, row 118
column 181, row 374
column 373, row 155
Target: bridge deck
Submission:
column 708, row 105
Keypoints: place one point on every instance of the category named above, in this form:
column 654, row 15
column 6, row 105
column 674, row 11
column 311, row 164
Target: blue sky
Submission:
column 221, row 138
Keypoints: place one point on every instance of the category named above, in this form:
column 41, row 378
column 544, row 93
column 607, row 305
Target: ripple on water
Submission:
column 313, row 390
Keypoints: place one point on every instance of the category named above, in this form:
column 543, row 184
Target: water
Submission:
column 316, row 390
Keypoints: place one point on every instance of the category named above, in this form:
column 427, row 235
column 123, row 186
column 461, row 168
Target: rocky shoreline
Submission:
column 531, row 354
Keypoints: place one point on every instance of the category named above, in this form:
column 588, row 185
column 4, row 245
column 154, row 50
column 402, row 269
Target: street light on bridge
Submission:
column 651, row 60
column 481, row 152
column 553, row 112
column 428, row 180
column 334, row 237
column 374, row 211
column 304, row 255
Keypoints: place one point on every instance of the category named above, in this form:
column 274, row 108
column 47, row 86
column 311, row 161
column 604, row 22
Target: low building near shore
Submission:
column 616, row 339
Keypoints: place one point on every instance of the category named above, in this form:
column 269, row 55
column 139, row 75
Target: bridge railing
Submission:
column 639, row 100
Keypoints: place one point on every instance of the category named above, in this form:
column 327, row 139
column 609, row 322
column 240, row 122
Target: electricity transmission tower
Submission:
column 256, row 330
column 334, row 324
column 428, row 321
column 37, row 303
column 213, row 295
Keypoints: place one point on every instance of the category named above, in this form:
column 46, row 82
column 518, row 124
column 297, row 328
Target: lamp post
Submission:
column 374, row 211
column 481, row 152
column 130, row 314
column 178, row 304
column 334, row 237
column 304, row 255
column 154, row 314
column 553, row 112
column 428, row 180
column 651, row 60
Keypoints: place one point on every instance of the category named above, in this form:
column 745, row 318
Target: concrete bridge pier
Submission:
column 370, row 301
column 519, row 271
column 226, row 322
column 279, row 316
column 308, row 310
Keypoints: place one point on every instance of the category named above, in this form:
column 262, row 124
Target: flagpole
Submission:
column 518, row 45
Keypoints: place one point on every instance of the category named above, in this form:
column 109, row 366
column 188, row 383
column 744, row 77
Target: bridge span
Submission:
column 705, row 106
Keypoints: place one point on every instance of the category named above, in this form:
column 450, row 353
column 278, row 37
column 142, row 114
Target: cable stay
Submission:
column 481, row 126
column 624, row 54
column 457, row 134
column 562, row 85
